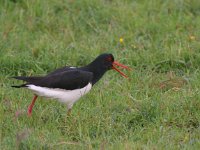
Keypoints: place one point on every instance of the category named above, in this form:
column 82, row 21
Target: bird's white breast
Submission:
column 65, row 96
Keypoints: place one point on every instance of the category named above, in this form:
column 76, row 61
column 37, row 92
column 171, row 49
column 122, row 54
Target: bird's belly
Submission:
column 65, row 96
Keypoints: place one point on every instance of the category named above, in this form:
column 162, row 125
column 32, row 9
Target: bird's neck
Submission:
column 97, row 72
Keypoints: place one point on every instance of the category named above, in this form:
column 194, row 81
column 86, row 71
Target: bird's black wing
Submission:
column 35, row 79
column 59, row 70
column 68, row 80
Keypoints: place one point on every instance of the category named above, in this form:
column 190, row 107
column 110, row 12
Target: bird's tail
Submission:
column 19, row 86
column 27, row 79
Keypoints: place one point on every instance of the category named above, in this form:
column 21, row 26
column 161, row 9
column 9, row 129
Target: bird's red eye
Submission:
column 109, row 58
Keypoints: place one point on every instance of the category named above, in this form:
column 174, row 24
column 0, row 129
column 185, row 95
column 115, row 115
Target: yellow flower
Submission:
column 192, row 37
column 121, row 40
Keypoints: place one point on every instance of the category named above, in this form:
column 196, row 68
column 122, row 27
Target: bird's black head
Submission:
column 104, row 61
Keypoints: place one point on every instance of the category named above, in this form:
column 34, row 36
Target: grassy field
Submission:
column 158, row 108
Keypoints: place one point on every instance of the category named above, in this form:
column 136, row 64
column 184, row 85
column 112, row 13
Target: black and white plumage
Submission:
column 69, row 84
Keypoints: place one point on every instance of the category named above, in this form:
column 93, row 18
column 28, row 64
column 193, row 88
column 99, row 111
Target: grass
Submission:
column 158, row 108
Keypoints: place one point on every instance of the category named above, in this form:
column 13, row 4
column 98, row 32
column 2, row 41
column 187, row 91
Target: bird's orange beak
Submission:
column 115, row 63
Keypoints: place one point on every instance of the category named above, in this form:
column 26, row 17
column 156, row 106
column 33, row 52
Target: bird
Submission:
column 68, row 84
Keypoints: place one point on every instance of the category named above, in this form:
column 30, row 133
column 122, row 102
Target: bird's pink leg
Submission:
column 30, row 107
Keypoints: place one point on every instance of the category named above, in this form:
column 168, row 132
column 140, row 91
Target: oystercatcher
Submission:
column 69, row 84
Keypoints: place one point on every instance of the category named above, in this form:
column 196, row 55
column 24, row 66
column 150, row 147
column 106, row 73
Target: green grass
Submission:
column 158, row 108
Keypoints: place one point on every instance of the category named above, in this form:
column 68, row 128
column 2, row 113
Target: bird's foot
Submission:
column 69, row 112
